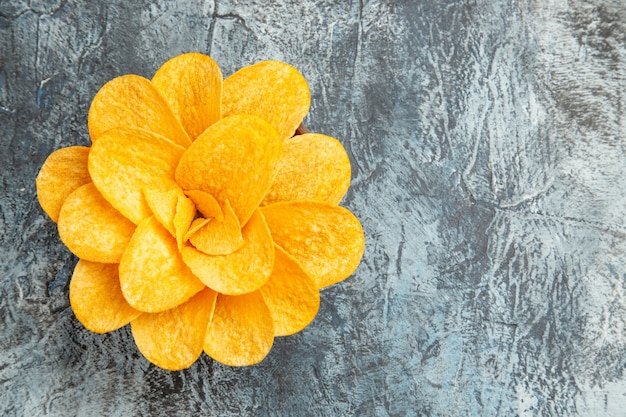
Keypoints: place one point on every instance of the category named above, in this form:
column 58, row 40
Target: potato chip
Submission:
column 326, row 240
column 242, row 271
column 96, row 297
column 235, row 159
column 315, row 167
column 91, row 228
column 131, row 101
column 124, row 162
column 241, row 332
column 290, row 294
column 63, row 172
column 174, row 339
column 152, row 274
column 185, row 212
column 192, row 86
column 162, row 203
column 196, row 225
column 272, row 90
column 167, row 211
column 219, row 237
column 206, row 204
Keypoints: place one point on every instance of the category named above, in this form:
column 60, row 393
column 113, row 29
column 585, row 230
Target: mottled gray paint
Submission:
column 488, row 142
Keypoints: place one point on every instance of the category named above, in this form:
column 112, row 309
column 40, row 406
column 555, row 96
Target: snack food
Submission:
column 198, row 217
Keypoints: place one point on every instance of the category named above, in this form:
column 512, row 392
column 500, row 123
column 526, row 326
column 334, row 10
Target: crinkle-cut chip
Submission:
column 219, row 237
column 236, row 159
column 96, row 297
column 192, row 86
column 242, row 271
column 63, row 172
column 124, row 162
column 206, row 204
column 163, row 204
column 314, row 167
column 326, row 240
column 196, row 225
column 185, row 212
column 290, row 294
column 174, row 339
column 272, row 90
column 131, row 101
column 241, row 332
column 91, row 228
column 153, row 276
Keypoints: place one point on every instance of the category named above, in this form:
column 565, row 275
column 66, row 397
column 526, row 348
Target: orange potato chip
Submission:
column 192, row 86
column 174, row 339
column 315, row 167
column 131, row 101
column 96, row 297
column 241, row 332
column 124, row 162
column 219, row 237
column 290, row 294
column 242, row 271
column 236, row 159
column 196, row 225
column 272, row 90
column 227, row 283
column 91, row 228
column 326, row 240
column 163, row 204
column 185, row 212
column 152, row 274
column 206, row 204
column 63, row 172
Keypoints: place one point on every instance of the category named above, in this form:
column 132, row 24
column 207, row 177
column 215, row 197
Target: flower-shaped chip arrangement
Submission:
column 198, row 217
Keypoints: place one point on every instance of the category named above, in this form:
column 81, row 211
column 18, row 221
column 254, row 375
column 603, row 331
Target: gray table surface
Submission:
column 488, row 143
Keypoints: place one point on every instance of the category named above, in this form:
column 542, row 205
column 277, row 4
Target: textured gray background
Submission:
column 488, row 142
